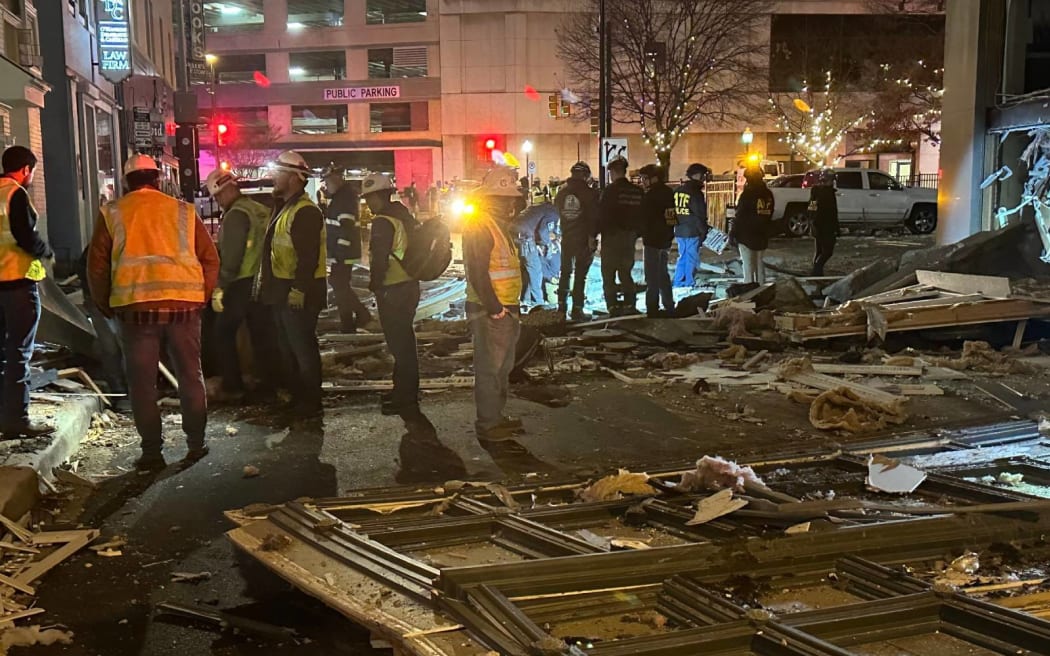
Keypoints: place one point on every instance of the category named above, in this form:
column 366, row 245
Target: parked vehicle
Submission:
column 867, row 199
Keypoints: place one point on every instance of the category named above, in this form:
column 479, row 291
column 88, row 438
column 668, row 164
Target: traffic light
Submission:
column 596, row 125
column 222, row 131
column 553, row 105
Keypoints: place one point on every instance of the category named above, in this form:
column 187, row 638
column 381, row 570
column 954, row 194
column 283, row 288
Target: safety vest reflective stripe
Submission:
column 395, row 272
column 284, row 259
column 258, row 221
column 504, row 269
column 154, row 255
column 15, row 263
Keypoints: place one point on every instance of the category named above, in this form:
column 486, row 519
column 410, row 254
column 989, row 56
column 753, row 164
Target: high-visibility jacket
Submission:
column 258, row 220
column 283, row 258
column 395, row 272
column 504, row 268
column 154, row 255
column 15, row 263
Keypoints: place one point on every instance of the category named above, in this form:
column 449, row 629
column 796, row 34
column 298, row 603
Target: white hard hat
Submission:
column 140, row 162
column 376, row 182
column 500, row 181
column 218, row 179
column 292, row 162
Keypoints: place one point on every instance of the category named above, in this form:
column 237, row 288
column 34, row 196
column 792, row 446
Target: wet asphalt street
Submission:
column 174, row 521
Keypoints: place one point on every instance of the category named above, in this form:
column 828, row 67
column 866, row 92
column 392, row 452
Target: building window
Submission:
column 382, row 12
column 329, row 65
column 319, row 119
column 386, row 63
column 315, row 13
column 239, row 69
column 399, row 117
column 104, row 147
column 13, row 6
column 235, row 16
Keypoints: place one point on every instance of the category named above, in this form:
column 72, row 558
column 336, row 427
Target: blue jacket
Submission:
column 533, row 219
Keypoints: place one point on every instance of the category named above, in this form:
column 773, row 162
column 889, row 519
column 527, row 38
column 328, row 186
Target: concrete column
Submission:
column 357, row 63
column 972, row 55
column 275, row 16
column 354, row 13
column 277, row 67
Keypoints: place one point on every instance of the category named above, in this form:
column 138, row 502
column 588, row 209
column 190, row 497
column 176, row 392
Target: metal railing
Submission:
column 920, row 180
column 720, row 194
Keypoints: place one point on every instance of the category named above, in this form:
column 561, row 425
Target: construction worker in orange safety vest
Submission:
column 21, row 268
column 153, row 265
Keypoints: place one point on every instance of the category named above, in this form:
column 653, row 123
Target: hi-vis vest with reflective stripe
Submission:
column 258, row 220
column 504, row 268
column 395, row 272
column 154, row 249
column 15, row 263
column 283, row 258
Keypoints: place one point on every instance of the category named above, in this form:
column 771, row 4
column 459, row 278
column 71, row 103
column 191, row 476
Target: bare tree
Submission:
column 909, row 103
column 673, row 62
column 816, row 121
column 252, row 149
column 906, row 6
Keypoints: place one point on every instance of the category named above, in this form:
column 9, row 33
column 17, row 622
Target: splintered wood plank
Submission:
column 37, row 569
column 823, row 382
column 963, row 283
column 20, row 532
column 18, row 585
column 866, row 369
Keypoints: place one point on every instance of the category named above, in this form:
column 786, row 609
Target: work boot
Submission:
column 26, row 428
column 196, row 453
column 579, row 316
column 150, row 462
column 498, row 433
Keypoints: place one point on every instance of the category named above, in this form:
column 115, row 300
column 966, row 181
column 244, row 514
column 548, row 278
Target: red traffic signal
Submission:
column 490, row 144
column 221, row 131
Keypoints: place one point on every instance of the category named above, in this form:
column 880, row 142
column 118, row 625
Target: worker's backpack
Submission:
column 429, row 250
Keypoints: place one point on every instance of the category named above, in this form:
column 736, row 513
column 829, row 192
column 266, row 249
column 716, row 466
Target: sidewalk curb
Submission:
column 72, row 421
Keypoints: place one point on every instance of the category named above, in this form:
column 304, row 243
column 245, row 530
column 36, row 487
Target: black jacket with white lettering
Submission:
column 577, row 206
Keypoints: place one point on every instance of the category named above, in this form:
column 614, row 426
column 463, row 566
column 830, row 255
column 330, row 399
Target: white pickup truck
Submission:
column 867, row 199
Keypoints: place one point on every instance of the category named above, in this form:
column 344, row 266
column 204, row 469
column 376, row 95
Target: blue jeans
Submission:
column 19, row 318
column 142, row 344
column 297, row 340
column 688, row 261
column 494, row 344
column 532, row 267
column 657, row 279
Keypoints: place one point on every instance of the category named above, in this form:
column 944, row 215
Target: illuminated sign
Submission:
column 114, row 40
column 363, row 93
column 197, row 50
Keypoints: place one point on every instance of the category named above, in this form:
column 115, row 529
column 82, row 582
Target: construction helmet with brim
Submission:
column 500, row 182
column 377, row 182
column 292, row 162
column 218, row 180
column 580, row 170
column 140, row 162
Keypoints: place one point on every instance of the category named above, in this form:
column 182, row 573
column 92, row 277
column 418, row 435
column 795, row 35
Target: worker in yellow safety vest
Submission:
column 397, row 293
column 293, row 282
column 493, row 297
column 153, row 265
column 21, row 268
column 241, row 235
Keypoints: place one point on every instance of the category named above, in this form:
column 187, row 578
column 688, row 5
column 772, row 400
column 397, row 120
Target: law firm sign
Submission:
column 353, row 94
column 114, row 40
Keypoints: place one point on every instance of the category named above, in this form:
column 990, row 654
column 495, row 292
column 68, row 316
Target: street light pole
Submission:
column 211, row 59
column 526, row 147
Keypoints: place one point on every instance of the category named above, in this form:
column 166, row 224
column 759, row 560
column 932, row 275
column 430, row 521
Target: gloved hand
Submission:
column 296, row 299
column 216, row 300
